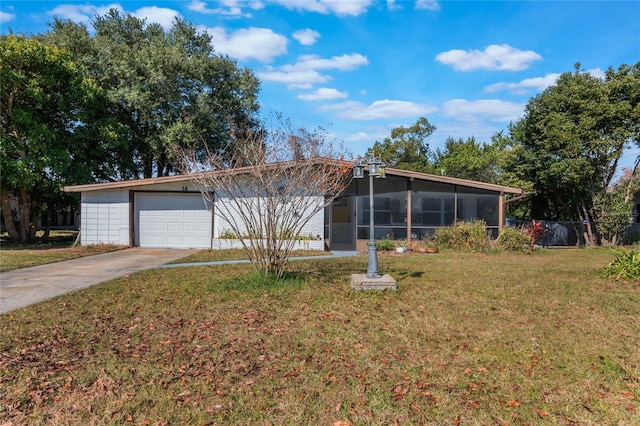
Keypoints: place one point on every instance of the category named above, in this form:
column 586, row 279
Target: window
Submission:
column 437, row 211
column 381, row 211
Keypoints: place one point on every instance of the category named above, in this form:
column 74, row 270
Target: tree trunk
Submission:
column 24, row 207
column 47, row 230
column 7, row 215
column 628, row 193
column 589, row 237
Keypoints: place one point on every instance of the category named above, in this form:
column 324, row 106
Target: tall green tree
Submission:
column 467, row 159
column 615, row 207
column 571, row 138
column 168, row 89
column 52, row 134
column 407, row 147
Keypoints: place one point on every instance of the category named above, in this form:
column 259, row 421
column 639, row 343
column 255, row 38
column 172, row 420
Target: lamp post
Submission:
column 377, row 170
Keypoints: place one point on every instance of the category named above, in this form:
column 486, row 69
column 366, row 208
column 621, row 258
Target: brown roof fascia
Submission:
column 453, row 181
column 240, row 170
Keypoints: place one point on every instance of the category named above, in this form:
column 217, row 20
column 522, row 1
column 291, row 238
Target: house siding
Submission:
column 106, row 209
column 105, row 217
column 314, row 227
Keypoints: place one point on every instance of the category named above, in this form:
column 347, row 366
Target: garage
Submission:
column 174, row 220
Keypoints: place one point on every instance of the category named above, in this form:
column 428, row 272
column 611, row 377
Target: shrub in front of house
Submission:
column 464, row 236
column 534, row 232
column 385, row 244
column 626, row 265
column 512, row 239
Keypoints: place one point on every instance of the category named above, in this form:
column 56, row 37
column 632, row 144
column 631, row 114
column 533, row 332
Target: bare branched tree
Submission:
column 267, row 186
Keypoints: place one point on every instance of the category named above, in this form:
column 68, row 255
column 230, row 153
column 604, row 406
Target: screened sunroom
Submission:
column 411, row 205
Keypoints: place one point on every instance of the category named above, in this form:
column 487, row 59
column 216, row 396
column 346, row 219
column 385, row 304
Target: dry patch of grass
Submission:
column 235, row 254
column 467, row 339
column 14, row 256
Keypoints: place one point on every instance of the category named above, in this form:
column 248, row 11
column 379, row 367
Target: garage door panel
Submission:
column 172, row 220
column 190, row 227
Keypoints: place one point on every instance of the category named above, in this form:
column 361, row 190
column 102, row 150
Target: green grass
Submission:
column 59, row 247
column 235, row 254
column 474, row 338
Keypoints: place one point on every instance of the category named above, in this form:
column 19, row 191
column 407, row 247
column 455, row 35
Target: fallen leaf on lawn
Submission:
column 543, row 413
column 292, row 373
column 513, row 403
column 474, row 404
column 341, row 423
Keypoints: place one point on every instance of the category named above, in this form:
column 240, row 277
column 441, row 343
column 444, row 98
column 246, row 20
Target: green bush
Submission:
column 385, row 244
column 512, row 239
column 626, row 265
column 464, row 236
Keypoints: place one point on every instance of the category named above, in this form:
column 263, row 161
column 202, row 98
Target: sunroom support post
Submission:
column 500, row 212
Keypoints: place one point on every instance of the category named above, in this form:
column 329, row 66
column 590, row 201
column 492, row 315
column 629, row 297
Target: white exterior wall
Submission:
column 315, row 227
column 104, row 217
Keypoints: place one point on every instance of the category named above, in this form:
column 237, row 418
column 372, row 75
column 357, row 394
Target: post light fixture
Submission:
column 358, row 170
column 377, row 170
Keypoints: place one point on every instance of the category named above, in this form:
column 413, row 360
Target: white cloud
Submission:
column 491, row 109
column 261, row 44
column 231, row 8
column 537, row 84
column 85, row 14
column 6, row 17
column 304, row 73
column 392, row 5
column 527, row 85
column 298, row 79
column 342, row 63
column 82, row 14
column 495, row 57
column 306, row 37
column 322, row 94
column 428, row 4
column 326, row 7
column 157, row 15
column 378, row 110
column 358, row 137
column 597, row 72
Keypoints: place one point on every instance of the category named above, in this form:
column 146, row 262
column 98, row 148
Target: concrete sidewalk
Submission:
column 24, row 287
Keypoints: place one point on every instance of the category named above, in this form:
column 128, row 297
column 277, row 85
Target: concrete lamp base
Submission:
column 361, row 282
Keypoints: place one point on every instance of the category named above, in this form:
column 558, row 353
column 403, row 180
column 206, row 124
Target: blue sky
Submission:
column 359, row 68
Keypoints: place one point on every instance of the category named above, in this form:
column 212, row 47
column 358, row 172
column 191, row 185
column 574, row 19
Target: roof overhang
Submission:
column 389, row 172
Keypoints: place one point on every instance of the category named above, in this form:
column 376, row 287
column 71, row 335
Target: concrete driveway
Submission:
column 24, row 287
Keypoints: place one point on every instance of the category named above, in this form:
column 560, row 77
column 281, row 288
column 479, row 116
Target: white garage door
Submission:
column 172, row 221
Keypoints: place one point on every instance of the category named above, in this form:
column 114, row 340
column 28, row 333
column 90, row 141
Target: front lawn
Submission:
column 466, row 339
column 24, row 257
